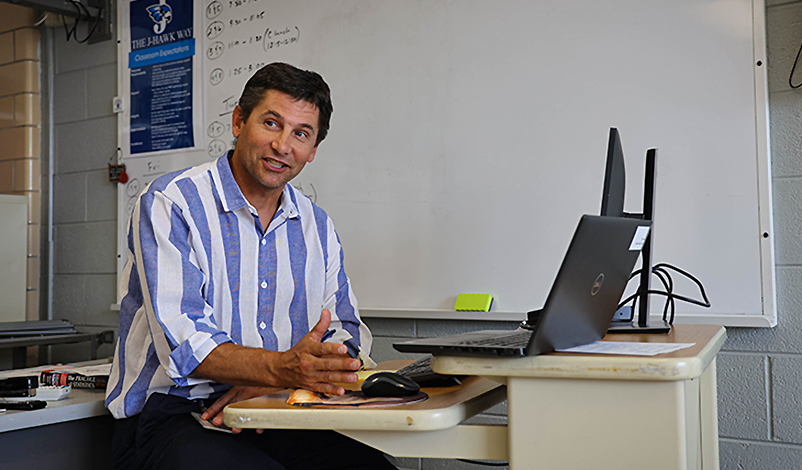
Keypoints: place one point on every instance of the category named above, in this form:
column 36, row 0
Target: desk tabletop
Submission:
column 79, row 404
column 446, row 407
column 687, row 363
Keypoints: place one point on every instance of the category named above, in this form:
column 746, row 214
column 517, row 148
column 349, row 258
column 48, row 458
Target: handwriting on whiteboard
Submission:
column 234, row 22
column 240, row 37
column 229, row 104
column 215, row 29
column 240, row 3
column 284, row 37
column 307, row 190
column 215, row 50
column 214, row 9
column 246, row 69
column 217, row 129
column 153, row 167
column 217, row 147
column 244, row 41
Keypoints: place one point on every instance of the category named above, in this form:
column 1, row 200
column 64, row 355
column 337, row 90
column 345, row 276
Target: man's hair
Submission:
column 300, row 84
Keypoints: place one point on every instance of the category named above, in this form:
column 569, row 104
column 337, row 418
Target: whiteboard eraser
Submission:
column 474, row 302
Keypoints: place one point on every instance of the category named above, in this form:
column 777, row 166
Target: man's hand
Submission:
column 309, row 364
column 236, row 394
column 316, row 366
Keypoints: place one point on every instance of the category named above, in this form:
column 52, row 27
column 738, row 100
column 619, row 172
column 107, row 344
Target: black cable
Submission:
column 72, row 31
column 706, row 301
column 668, row 294
column 791, row 75
column 669, row 300
column 668, row 284
column 94, row 26
column 661, row 271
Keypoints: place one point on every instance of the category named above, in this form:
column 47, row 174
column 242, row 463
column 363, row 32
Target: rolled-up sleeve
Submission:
column 180, row 319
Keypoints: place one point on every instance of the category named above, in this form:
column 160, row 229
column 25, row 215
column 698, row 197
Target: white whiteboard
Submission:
column 468, row 137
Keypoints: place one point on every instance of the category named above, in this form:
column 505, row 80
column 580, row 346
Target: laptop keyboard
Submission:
column 421, row 372
column 421, row 366
column 519, row 339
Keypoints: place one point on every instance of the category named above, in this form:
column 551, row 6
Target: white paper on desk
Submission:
column 95, row 369
column 627, row 348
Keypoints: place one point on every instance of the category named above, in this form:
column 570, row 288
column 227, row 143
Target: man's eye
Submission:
column 301, row 135
column 271, row 123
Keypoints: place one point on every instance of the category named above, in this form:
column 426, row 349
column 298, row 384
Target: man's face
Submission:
column 274, row 144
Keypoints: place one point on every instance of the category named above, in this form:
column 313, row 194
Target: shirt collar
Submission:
column 232, row 198
column 230, row 195
column 288, row 205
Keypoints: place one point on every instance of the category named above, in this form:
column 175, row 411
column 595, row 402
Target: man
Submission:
column 233, row 280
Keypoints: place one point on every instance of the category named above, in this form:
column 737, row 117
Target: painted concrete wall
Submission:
column 84, row 202
column 20, row 127
column 760, row 370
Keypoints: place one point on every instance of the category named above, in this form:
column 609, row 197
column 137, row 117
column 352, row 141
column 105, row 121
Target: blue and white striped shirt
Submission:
column 202, row 272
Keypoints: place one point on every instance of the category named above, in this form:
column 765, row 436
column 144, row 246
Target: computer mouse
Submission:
column 388, row 384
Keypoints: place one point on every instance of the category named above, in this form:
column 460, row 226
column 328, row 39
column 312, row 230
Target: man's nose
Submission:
column 282, row 143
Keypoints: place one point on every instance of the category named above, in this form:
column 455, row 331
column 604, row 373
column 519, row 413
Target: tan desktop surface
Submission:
column 686, row 363
column 446, row 407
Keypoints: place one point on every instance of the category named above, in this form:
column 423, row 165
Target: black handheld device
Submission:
column 18, row 386
column 23, row 405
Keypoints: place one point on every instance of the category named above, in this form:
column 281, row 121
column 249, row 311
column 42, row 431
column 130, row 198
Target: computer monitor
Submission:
column 613, row 194
column 615, row 177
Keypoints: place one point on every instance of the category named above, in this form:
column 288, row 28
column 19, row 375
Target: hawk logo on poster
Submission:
column 161, row 14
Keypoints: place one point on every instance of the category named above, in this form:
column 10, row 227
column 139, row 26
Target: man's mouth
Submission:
column 275, row 164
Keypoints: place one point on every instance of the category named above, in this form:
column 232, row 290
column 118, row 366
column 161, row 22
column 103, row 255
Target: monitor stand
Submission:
column 642, row 323
column 635, row 327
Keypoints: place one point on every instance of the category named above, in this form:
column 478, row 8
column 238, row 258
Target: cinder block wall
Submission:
column 20, row 129
column 760, row 370
column 84, row 135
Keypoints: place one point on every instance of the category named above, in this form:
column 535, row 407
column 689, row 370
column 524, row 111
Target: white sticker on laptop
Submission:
column 639, row 239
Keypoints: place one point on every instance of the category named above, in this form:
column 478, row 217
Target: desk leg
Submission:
column 709, row 418
column 603, row 424
column 19, row 357
column 93, row 347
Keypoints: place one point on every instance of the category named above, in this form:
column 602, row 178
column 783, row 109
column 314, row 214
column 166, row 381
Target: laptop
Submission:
column 580, row 305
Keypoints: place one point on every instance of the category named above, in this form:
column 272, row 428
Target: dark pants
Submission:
column 166, row 436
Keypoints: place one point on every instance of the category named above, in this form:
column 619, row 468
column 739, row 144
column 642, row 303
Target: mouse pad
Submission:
column 351, row 399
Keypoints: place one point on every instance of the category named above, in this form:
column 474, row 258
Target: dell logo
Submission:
column 597, row 284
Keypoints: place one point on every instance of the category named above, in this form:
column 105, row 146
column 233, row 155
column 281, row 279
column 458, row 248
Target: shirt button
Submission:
column 262, row 325
column 264, row 242
column 264, row 285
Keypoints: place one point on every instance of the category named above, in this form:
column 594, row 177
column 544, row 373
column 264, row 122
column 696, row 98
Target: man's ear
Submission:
column 237, row 121
column 312, row 155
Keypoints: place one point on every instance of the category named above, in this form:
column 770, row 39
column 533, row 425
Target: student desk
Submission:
column 565, row 410
column 73, row 433
column 425, row 429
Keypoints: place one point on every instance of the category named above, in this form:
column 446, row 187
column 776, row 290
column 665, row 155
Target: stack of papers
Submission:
column 627, row 349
